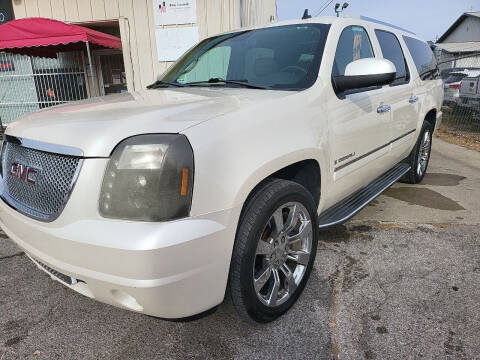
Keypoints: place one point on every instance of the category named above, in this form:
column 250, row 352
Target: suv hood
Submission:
column 97, row 125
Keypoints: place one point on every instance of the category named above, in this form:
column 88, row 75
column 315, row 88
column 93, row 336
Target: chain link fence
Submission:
column 460, row 72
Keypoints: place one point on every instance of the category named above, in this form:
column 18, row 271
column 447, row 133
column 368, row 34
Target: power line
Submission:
column 324, row 6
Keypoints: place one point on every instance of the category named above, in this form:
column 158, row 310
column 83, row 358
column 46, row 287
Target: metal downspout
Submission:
column 94, row 84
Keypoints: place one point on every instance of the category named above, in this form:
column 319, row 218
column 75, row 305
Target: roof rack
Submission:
column 366, row 18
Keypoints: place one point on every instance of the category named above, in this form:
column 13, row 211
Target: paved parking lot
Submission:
column 399, row 281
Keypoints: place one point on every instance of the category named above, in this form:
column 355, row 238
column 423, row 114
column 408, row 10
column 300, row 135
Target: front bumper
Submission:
column 169, row 270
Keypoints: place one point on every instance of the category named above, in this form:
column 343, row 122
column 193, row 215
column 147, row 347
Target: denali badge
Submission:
column 24, row 173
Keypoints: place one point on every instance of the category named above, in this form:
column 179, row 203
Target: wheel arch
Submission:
column 431, row 117
column 306, row 171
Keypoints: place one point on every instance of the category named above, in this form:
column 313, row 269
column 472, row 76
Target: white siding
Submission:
column 468, row 30
column 137, row 26
column 257, row 12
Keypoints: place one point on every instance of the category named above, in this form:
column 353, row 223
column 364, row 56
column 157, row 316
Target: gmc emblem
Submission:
column 24, row 173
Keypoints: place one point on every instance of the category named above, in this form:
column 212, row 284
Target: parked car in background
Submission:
column 216, row 178
column 452, row 85
column 470, row 92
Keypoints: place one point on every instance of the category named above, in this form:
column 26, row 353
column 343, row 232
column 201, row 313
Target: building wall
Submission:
column 137, row 26
column 256, row 12
column 468, row 30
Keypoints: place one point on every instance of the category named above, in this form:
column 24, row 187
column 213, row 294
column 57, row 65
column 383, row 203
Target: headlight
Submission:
column 149, row 178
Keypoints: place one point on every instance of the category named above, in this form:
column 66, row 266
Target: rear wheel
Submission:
column 420, row 156
column 274, row 250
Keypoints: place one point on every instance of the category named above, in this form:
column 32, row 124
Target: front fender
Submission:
column 234, row 154
column 275, row 165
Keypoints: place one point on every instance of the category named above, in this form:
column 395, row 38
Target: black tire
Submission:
column 414, row 176
column 256, row 214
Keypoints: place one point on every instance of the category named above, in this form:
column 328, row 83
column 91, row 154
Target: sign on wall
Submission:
column 6, row 11
column 174, row 42
column 173, row 12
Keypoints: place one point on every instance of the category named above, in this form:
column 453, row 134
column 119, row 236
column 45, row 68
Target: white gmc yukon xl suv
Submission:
column 216, row 179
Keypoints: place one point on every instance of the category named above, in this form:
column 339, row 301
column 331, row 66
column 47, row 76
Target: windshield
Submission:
column 285, row 58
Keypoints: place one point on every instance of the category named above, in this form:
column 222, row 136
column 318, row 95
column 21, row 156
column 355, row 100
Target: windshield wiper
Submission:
column 242, row 82
column 159, row 83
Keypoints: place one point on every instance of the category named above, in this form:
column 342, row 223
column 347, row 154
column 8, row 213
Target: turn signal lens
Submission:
column 184, row 189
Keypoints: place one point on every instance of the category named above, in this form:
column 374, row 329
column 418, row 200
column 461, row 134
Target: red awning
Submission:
column 45, row 37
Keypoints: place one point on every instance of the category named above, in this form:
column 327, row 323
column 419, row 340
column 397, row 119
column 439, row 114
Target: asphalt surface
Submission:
column 399, row 281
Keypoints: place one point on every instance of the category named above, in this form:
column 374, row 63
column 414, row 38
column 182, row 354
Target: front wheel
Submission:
column 420, row 156
column 274, row 250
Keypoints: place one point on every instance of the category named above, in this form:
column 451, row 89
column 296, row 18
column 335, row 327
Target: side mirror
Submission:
column 365, row 73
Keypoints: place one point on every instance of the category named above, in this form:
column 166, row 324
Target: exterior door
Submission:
column 360, row 132
column 111, row 71
column 399, row 96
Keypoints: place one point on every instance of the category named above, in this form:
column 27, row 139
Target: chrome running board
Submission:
column 350, row 206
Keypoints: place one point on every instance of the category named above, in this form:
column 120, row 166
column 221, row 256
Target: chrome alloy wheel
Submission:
column 282, row 254
column 424, row 153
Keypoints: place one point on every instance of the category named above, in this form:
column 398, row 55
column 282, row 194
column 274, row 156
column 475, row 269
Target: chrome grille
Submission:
column 54, row 180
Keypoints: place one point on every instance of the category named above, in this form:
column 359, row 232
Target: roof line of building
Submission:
column 458, row 22
column 460, row 48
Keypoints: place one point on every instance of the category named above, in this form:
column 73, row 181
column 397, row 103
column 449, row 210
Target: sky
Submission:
column 429, row 19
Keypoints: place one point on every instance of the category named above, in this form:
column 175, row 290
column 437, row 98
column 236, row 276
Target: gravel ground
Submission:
column 399, row 281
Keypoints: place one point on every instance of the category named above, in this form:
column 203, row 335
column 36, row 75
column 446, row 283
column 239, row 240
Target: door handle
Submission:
column 413, row 99
column 383, row 109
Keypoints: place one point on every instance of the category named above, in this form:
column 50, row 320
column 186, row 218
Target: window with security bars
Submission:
column 28, row 83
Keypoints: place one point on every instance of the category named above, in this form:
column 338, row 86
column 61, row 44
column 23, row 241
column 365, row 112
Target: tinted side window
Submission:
column 392, row 51
column 354, row 44
column 423, row 57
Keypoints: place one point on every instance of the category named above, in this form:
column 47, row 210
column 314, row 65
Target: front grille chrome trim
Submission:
column 27, row 210
column 31, row 213
column 44, row 146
